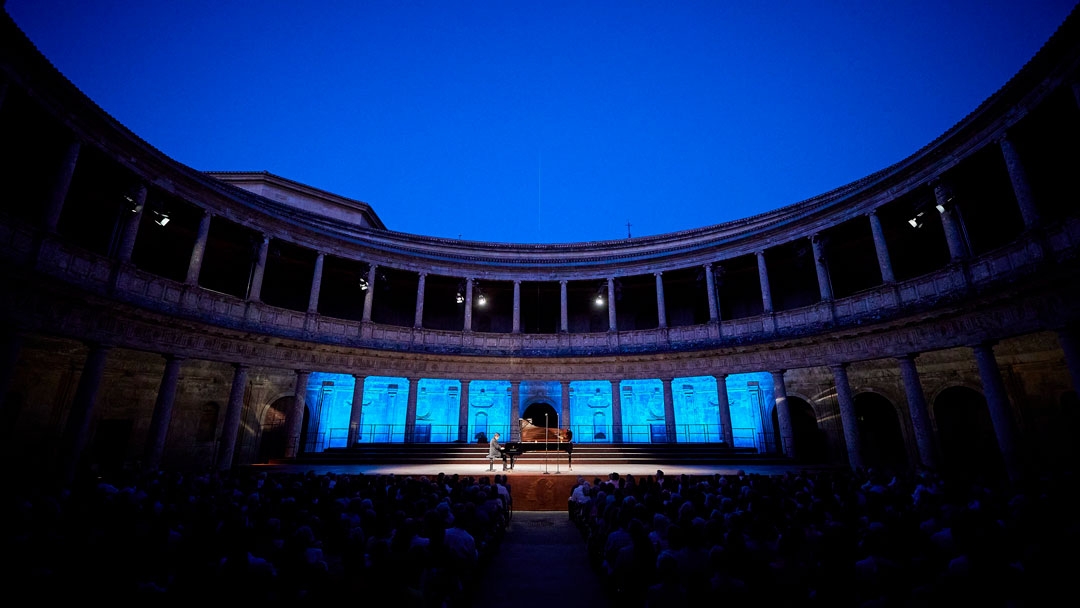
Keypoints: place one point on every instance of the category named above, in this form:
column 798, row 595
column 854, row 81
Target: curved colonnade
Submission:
column 161, row 315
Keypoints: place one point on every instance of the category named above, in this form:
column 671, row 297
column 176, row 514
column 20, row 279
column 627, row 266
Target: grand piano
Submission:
column 539, row 439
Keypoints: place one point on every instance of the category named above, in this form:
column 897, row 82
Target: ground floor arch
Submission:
column 881, row 437
column 966, row 433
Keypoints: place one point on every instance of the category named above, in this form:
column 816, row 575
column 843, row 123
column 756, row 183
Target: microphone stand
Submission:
column 558, row 445
column 545, row 443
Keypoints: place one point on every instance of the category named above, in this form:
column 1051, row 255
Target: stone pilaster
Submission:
column 670, row 426
column 848, row 418
column 418, row 320
column 369, row 294
column 258, row 270
column 517, row 307
column 783, row 415
column 661, row 311
column 918, row 411
column 356, row 410
column 882, row 249
column 616, row 412
column 199, row 250
column 515, row 409
column 162, row 415
column 77, row 429
column 564, row 315
column 763, row 278
column 61, row 183
column 463, row 412
column 821, row 265
column 944, row 197
column 724, row 406
column 316, row 283
column 468, row 304
column 294, row 418
column 230, row 429
column 710, row 288
column 613, row 319
column 132, row 220
column 1001, row 415
column 410, row 410
column 1020, row 183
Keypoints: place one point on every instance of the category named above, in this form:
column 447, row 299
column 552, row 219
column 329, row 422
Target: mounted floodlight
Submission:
column 599, row 299
column 481, row 300
column 363, row 284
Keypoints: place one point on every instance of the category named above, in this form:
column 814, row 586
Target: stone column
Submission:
column 77, row 428
column 517, row 307
column 564, row 315
column 294, row 418
column 564, row 411
column 763, row 277
column 1070, row 347
column 356, row 411
column 1021, row 186
column 418, row 320
column 919, row 412
column 616, row 412
column 132, row 221
column 997, row 401
column 369, row 295
column 848, row 418
column 821, row 265
column 54, row 204
column 10, row 347
column 783, row 415
column 882, row 248
column 661, row 311
column 410, row 410
column 197, row 252
column 255, row 290
column 670, row 429
column 613, row 320
column 515, row 409
column 710, row 288
column 944, row 197
column 230, row 429
column 162, row 415
column 468, row 304
column 316, row 284
column 724, row 406
column 463, row 412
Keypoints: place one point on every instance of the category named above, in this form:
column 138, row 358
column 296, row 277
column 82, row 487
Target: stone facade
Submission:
column 157, row 316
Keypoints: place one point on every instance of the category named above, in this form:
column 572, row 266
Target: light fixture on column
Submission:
column 600, row 299
column 161, row 218
column 916, row 222
column 364, row 284
column 481, row 299
column 460, row 297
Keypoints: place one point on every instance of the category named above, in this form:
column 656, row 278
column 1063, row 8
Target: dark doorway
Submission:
column 111, row 444
column 272, row 438
column 968, row 444
column 880, row 437
column 810, row 444
column 541, row 414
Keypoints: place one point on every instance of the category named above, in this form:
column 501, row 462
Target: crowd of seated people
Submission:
column 269, row 537
column 843, row 538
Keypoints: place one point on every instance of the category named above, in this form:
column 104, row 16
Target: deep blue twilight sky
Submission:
column 543, row 121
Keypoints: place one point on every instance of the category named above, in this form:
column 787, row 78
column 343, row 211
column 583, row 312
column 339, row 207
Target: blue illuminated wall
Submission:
column 489, row 409
column 590, row 411
column 385, row 399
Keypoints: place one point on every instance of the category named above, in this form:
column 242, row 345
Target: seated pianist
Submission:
column 538, row 438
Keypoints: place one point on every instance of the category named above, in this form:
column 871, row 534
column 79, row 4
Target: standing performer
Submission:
column 495, row 450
